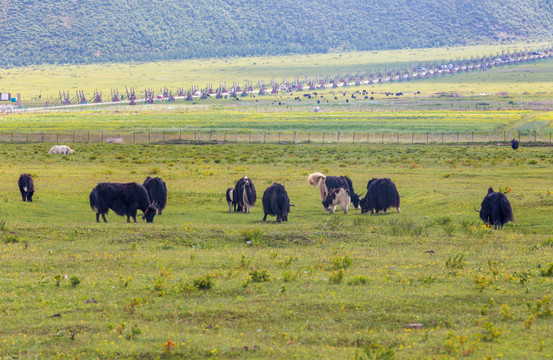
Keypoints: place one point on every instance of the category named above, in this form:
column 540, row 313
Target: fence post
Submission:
column 235, row 136
column 100, row 136
column 383, row 137
column 179, row 134
column 392, row 137
column 353, row 142
column 412, row 137
column 133, row 137
column 323, row 137
column 264, row 136
column 250, row 137
column 217, row 135
column 308, row 137
column 489, row 136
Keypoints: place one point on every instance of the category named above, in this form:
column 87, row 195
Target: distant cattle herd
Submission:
column 125, row 199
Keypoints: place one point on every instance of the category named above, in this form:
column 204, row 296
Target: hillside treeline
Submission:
column 86, row 31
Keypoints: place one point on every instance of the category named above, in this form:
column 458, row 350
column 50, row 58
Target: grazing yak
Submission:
column 26, row 187
column 276, row 202
column 123, row 199
column 336, row 197
column 60, row 149
column 230, row 198
column 157, row 191
column 244, row 195
column 381, row 195
column 496, row 209
column 326, row 183
column 514, row 144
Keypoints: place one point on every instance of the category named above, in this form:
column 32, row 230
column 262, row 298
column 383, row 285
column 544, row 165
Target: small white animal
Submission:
column 60, row 149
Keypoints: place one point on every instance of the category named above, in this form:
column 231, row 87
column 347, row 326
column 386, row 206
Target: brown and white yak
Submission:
column 336, row 197
column 327, row 183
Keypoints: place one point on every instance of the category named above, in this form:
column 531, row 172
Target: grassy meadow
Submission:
column 48, row 80
column 430, row 282
column 228, row 119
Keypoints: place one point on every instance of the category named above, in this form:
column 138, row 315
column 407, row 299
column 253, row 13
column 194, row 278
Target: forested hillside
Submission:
column 84, row 31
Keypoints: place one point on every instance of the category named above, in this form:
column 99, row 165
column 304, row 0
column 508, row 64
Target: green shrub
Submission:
column 341, row 262
column 358, row 280
column 75, row 281
column 11, row 239
column 259, row 275
column 204, row 282
column 336, row 277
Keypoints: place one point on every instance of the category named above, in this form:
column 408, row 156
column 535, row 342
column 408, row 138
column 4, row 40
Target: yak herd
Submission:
column 125, row 199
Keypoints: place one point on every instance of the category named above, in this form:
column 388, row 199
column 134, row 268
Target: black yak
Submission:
column 381, row 195
column 123, row 199
column 339, row 196
column 326, row 183
column 244, row 195
column 514, row 144
column 26, row 187
column 496, row 209
column 276, row 202
column 157, row 191
column 230, row 198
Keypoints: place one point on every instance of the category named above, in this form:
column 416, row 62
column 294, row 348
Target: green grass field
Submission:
column 347, row 121
column 343, row 286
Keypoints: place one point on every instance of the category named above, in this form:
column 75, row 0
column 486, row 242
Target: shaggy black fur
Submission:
column 496, row 209
column 514, row 144
column 381, row 195
column 336, row 182
column 276, row 202
column 26, row 187
column 123, row 199
column 157, row 191
column 244, row 184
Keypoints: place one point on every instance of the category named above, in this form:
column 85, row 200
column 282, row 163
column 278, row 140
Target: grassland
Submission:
column 227, row 119
column 191, row 286
column 48, row 80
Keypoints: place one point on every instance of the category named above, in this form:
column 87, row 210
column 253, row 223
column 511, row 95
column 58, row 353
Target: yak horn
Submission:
column 475, row 209
column 294, row 205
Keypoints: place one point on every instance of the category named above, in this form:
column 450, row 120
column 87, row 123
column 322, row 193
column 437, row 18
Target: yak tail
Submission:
column 315, row 178
column 505, row 209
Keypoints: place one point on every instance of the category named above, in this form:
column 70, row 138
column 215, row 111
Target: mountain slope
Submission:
column 84, row 31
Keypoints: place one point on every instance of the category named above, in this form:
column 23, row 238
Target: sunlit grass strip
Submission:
column 284, row 121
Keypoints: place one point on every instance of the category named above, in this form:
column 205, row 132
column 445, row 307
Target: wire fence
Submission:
column 216, row 136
